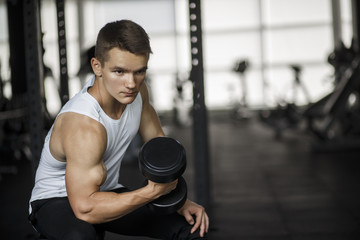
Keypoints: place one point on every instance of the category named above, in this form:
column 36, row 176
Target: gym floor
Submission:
column 262, row 188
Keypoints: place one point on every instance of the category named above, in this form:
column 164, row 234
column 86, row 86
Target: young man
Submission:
column 76, row 190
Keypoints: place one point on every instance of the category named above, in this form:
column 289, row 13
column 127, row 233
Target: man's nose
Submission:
column 130, row 81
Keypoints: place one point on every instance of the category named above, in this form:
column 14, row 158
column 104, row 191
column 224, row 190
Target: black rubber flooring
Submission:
column 262, row 188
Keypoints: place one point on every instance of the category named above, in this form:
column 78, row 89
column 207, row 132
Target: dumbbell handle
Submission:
column 172, row 201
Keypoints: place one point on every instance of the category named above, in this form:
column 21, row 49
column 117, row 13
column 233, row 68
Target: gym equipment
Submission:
column 342, row 57
column 334, row 119
column 202, row 161
column 163, row 160
column 339, row 114
column 241, row 110
column 64, row 78
column 183, row 102
column 286, row 114
column 299, row 84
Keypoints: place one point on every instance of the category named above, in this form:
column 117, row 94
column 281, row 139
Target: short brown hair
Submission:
column 124, row 34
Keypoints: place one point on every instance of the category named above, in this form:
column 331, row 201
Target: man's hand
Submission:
column 202, row 220
column 162, row 188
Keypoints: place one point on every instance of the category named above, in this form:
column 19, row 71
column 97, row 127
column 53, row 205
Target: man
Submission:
column 76, row 190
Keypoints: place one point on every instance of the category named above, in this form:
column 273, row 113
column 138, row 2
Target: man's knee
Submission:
column 185, row 233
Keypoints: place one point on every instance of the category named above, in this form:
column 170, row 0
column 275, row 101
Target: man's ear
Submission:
column 96, row 67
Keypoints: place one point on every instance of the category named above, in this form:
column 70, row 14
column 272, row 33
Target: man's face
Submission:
column 123, row 74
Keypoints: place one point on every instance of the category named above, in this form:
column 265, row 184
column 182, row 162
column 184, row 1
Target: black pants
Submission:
column 54, row 219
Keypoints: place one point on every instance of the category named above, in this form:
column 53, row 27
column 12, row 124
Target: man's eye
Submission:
column 141, row 71
column 119, row 72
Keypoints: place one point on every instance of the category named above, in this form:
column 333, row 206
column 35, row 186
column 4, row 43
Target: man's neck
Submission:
column 110, row 106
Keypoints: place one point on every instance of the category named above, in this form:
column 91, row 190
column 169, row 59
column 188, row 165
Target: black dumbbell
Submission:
column 163, row 160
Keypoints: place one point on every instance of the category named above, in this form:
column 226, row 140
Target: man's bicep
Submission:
column 82, row 181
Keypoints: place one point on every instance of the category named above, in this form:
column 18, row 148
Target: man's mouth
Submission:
column 129, row 94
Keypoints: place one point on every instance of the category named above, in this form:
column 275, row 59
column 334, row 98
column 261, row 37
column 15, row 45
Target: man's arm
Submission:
column 150, row 127
column 84, row 142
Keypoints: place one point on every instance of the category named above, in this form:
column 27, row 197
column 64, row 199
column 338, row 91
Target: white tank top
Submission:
column 50, row 174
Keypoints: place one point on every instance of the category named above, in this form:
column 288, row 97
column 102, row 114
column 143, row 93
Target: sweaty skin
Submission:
column 81, row 142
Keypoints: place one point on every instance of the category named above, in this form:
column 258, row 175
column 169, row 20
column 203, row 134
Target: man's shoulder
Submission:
column 74, row 127
column 82, row 104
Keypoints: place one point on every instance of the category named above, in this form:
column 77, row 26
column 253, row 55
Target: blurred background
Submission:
column 264, row 95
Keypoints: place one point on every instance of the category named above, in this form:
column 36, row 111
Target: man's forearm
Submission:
column 106, row 206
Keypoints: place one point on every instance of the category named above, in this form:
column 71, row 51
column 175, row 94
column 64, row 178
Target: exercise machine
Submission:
column 240, row 110
column 287, row 115
column 334, row 120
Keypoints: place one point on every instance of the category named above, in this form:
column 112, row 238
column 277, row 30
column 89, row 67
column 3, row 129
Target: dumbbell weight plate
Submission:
column 162, row 160
column 172, row 201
